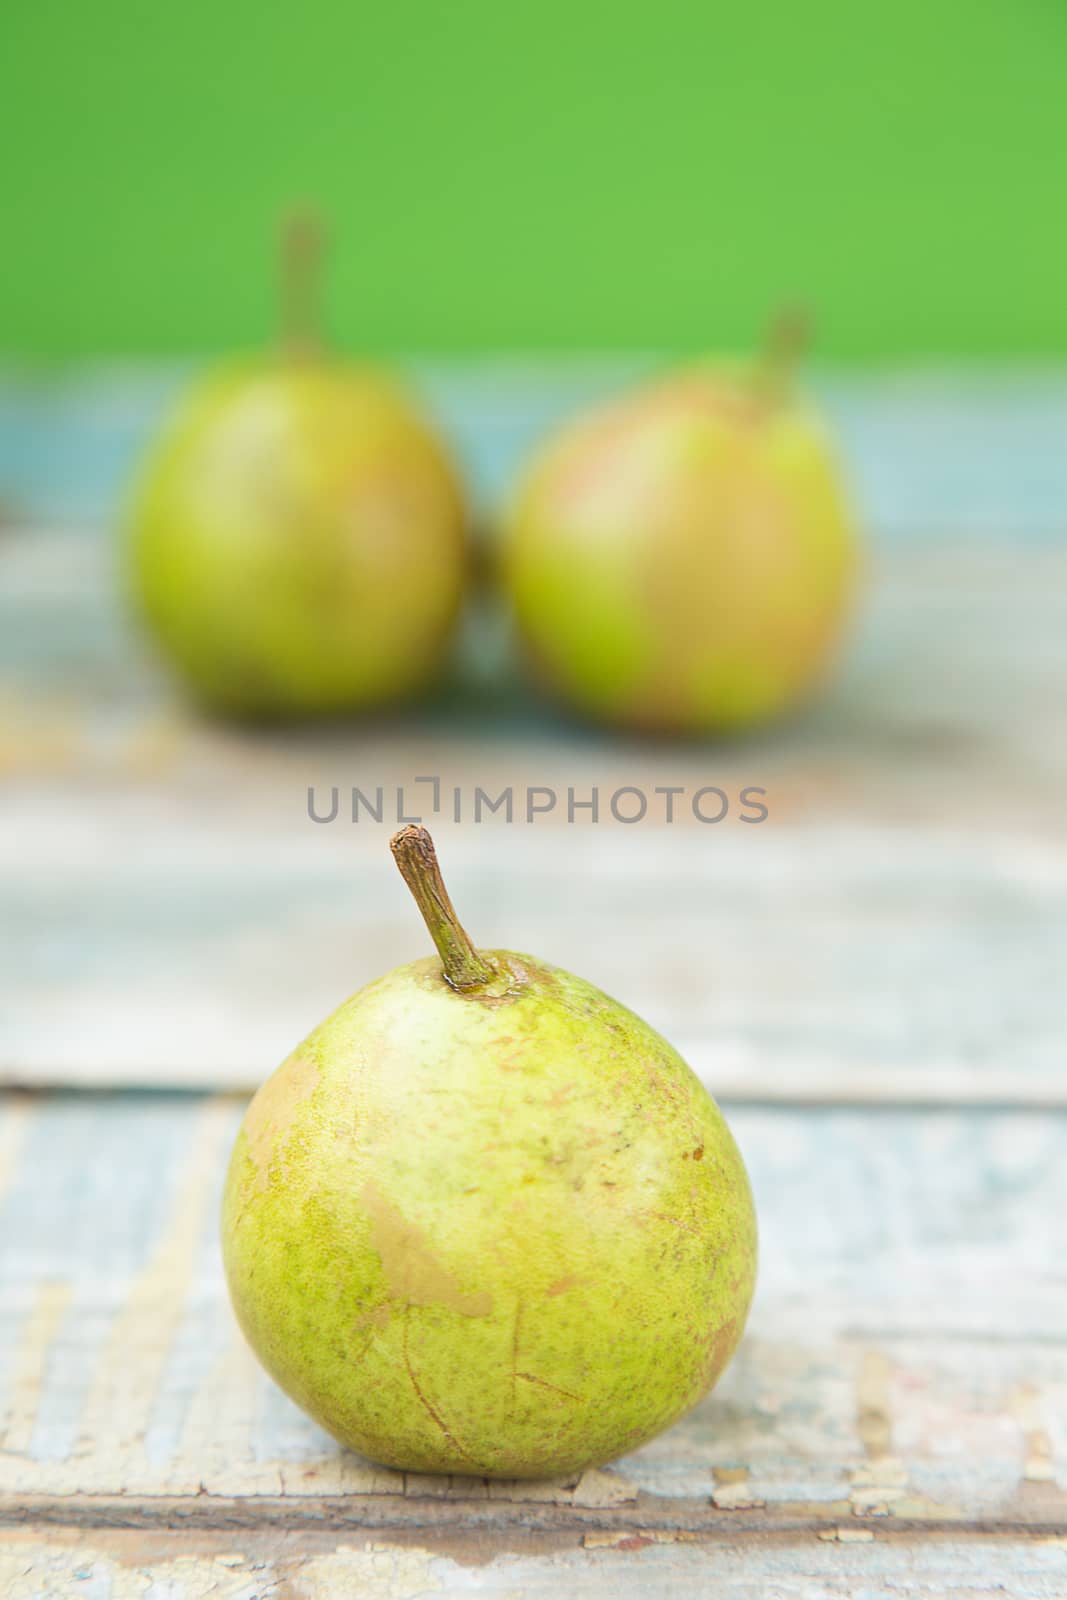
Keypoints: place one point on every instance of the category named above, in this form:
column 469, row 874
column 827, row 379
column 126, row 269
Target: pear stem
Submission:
column 785, row 345
column 301, row 274
column 416, row 857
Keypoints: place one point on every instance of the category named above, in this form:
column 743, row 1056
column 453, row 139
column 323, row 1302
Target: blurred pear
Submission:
column 297, row 540
column 682, row 560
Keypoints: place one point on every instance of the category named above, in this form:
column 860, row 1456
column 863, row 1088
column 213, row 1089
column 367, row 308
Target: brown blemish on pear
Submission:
column 412, row 1272
column 269, row 1120
column 561, row 1285
column 378, row 1317
column 721, row 1346
column 420, row 1394
column 553, row 1388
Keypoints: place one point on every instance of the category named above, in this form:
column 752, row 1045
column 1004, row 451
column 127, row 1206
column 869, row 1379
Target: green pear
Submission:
column 297, row 539
column 681, row 560
column 485, row 1220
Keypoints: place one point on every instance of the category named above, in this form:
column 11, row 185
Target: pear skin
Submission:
column 683, row 560
column 297, row 542
column 485, row 1220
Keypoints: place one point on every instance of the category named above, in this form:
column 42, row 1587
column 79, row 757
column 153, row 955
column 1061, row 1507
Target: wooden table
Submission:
column 872, row 982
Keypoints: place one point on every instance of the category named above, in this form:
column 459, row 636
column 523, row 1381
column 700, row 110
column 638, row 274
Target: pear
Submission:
column 681, row 560
column 296, row 542
column 485, row 1220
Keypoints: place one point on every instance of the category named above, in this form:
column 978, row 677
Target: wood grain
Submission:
column 906, row 1359
column 896, row 928
column 874, row 975
column 638, row 1562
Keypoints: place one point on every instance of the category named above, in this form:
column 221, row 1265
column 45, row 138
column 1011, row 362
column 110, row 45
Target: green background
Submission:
column 553, row 176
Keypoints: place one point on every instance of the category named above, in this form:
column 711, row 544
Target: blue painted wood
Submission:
column 906, row 1359
column 971, row 453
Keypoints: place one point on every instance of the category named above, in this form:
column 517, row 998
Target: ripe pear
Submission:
column 485, row 1220
column 297, row 540
column 681, row 560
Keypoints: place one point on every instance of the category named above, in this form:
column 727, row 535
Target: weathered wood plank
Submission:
column 896, row 928
column 964, row 451
column 151, row 941
column 906, row 1360
column 257, row 1564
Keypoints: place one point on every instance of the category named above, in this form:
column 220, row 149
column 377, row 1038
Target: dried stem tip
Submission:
column 301, row 271
column 416, row 857
column 785, row 345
